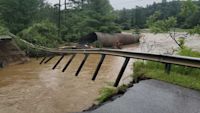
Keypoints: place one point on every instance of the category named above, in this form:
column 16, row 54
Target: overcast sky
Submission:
column 120, row 4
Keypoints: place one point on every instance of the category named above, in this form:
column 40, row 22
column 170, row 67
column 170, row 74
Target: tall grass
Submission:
column 179, row 75
column 107, row 92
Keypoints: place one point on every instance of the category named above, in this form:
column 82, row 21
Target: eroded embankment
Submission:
column 10, row 53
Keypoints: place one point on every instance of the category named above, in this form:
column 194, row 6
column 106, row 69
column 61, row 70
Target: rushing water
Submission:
column 34, row 88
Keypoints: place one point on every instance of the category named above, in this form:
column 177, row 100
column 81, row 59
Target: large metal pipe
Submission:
column 110, row 40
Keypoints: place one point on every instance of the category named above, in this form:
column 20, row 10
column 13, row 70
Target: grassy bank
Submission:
column 107, row 93
column 179, row 75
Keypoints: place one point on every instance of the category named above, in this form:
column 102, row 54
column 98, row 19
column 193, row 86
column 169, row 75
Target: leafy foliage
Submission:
column 18, row 14
column 44, row 34
column 187, row 14
column 3, row 31
column 88, row 16
column 158, row 26
column 188, row 7
column 196, row 30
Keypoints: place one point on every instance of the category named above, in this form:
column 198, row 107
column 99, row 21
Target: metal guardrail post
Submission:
column 121, row 72
column 50, row 58
column 168, row 60
column 43, row 60
column 168, row 68
column 81, row 65
column 54, row 67
column 98, row 67
column 69, row 62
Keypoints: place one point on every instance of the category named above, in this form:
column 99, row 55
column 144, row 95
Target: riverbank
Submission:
column 11, row 54
column 179, row 75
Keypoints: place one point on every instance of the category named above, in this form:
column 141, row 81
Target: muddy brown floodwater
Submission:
column 34, row 88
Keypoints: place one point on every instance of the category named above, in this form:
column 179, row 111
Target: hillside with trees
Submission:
column 41, row 23
column 130, row 18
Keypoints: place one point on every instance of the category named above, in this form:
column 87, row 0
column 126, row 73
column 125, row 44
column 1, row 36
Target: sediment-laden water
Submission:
column 34, row 88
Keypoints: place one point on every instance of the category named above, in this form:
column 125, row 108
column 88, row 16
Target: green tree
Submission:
column 3, row 31
column 43, row 34
column 90, row 16
column 163, row 26
column 188, row 7
column 18, row 14
column 196, row 30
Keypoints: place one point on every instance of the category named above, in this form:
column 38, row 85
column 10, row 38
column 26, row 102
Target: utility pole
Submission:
column 65, row 5
column 82, row 2
column 59, row 19
column 65, row 11
column 132, row 18
column 164, row 1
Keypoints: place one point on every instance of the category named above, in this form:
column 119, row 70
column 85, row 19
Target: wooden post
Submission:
column 98, row 67
column 70, row 60
column 82, row 63
column 121, row 72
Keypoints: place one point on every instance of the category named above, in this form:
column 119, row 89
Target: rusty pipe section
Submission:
column 109, row 40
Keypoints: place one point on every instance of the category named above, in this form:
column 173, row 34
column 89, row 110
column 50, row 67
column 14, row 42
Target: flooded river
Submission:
column 34, row 88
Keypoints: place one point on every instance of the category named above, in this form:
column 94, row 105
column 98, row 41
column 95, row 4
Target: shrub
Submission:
column 3, row 31
column 43, row 34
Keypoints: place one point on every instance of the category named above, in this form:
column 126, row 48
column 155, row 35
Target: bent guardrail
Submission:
column 167, row 59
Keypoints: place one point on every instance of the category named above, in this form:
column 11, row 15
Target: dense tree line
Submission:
column 87, row 16
column 38, row 22
column 137, row 17
column 80, row 17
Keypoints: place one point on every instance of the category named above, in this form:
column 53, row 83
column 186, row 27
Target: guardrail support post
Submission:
column 121, row 72
column 68, row 63
column 54, row 67
column 43, row 60
column 98, row 67
column 82, row 63
column 168, row 68
column 50, row 58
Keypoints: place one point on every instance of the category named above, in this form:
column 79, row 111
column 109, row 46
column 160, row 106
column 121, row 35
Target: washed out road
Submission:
column 152, row 96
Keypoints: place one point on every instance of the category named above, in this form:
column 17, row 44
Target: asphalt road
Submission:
column 152, row 96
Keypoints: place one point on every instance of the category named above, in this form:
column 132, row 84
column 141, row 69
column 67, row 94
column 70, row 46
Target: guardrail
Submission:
column 167, row 59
